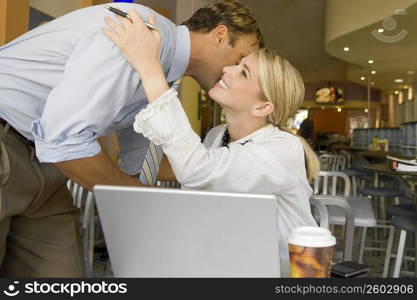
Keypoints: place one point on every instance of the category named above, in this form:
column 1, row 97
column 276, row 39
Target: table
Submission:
column 384, row 169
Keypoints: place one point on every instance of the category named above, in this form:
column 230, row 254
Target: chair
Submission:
column 322, row 211
column 168, row 184
column 338, row 184
column 332, row 162
column 325, row 202
column 84, row 200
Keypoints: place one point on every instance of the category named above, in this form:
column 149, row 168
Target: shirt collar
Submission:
column 253, row 137
column 182, row 54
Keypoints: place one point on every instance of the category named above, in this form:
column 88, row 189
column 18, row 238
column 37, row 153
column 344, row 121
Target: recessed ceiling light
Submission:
column 396, row 92
column 411, row 72
column 366, row 110
column 322, row 107
column 406, row 86
column 371, row 61
column 380, row 30
column 399, row 80
column 339, row 109
column 346, row 49
column 362, row 78
column 373, row 82
column 373, row 72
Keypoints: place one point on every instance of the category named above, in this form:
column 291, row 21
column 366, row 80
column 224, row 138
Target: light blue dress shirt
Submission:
column 64, row 84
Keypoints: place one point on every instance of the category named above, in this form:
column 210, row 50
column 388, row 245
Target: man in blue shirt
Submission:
column 63, row 85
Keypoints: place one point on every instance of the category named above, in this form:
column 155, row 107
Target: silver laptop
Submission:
column 153, row 232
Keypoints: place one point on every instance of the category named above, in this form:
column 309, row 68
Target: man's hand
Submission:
column 98, row 169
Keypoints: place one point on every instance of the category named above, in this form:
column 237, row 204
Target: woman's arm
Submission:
column 240, row 168
column 141, row 47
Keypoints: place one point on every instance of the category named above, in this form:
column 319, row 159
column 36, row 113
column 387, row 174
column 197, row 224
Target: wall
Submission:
column 56, row 8
column 163, row 7
column 14, row 19
column 352, row 91
column 330, row 120
column 189, row 88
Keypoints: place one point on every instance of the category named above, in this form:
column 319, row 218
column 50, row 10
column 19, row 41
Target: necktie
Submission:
column 150, row 167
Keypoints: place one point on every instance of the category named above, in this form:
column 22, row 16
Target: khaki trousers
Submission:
column 39, row 225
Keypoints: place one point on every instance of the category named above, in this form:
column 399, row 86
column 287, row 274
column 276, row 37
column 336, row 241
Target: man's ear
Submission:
column 262, row 109
column 221, row 35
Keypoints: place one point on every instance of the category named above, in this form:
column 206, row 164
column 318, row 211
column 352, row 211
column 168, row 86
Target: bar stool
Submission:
column 405, row 223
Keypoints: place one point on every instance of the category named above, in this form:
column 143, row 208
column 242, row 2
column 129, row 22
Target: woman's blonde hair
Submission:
column 283, row 86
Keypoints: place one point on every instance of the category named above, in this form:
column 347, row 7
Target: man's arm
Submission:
column 98, row 169
column 165, row 171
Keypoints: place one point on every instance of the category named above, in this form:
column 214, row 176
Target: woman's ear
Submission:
column 262, row 109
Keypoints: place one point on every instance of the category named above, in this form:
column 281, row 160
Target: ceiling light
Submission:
column 380, row 30
column 362, row 78
column 396, row 92
column 339, row 109
column 346, row 49
column 406, row 86
column 399, row 80
column 373, row 72
column 366, row 110
column 322, row 107
column 371, row 61
column 411, row 72
column 373, row 82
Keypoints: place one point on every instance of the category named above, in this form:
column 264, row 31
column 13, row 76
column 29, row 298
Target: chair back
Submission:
column 84, row 200
column 348, row 157
column 332, row 162
column 330, row 200
column 333, row 189
column 332, row 183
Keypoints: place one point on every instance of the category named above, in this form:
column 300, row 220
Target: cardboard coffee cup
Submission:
column 311, row 250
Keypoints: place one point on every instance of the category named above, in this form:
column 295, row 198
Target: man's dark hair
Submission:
column 237, row 17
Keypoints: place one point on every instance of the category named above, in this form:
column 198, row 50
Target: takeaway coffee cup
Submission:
column 311, row 250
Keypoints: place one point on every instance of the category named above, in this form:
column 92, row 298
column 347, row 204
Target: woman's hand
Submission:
column 141, row 47
column 139, row 44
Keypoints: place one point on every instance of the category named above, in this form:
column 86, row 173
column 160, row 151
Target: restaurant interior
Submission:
column 359, row 65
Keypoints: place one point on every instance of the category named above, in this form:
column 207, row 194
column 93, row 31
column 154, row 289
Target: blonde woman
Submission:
column 254, row 152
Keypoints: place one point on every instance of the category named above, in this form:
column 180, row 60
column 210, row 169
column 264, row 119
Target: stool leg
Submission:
column 400, row 254
column 388, row 253
column 355, row 191
column 383, row 215
column 362, row 245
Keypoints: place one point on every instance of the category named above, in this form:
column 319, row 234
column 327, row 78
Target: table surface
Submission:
column 383, row 168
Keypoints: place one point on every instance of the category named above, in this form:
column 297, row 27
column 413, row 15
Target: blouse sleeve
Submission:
column 221, row 169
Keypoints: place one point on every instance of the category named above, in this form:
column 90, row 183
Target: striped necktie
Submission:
column 150, row 167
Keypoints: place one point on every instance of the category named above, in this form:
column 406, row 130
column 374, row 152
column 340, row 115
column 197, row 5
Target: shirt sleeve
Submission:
column 222, row 169
column 133, row 149
column 94, row 88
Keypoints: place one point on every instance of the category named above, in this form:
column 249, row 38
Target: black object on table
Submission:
column 350, row 269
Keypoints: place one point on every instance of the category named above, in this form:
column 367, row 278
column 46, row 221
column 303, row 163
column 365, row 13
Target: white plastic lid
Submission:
column 307, row 236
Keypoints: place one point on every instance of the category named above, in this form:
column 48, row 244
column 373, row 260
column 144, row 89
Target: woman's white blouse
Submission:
column 270, row 162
